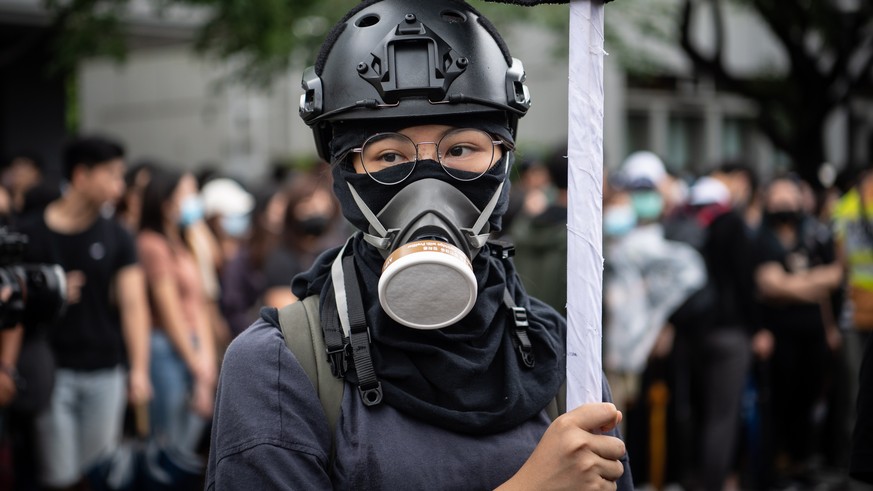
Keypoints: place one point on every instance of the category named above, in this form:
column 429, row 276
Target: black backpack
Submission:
column 699, row 308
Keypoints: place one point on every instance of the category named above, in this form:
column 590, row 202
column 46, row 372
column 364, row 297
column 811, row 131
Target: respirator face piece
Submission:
column 427, row 279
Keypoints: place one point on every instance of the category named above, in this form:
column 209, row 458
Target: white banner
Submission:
column 584, row 222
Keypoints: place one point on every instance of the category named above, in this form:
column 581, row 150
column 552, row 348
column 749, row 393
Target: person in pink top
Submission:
column 183, row 365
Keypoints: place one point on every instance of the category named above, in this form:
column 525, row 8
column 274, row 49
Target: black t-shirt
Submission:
column 281, row 265
column 726, row 253
column 88, row 336
column 814, row 248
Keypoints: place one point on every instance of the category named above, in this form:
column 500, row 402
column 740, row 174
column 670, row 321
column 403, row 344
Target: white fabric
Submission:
column 585, row 153
column 647, row 279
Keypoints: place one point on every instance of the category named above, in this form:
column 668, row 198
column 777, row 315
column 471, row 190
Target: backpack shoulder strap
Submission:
column 301, row 327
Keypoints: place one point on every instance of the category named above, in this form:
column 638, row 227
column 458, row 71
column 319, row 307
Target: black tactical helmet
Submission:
column 409, row 59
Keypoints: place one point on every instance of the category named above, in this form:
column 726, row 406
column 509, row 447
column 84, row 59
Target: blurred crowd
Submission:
column 734, row 312
column 735, row 315
column 163, row 269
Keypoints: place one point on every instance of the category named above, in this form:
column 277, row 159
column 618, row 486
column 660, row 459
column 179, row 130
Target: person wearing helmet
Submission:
column 447, row 365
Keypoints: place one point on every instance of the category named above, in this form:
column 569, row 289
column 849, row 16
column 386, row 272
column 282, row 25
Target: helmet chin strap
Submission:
column 385, row 238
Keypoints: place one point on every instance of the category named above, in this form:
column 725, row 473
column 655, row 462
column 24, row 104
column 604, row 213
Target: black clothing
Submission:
column 799, row 360
column 88, row 336
column 270, row 432
column 466, row 377
column 727, row 263
column 861, row 465
column 814, row 248
column 280, row 266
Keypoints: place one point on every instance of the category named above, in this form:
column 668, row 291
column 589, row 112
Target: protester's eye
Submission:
column 390, row 157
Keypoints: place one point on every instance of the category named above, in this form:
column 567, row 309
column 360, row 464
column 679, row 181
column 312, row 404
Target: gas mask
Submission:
column 428, row 233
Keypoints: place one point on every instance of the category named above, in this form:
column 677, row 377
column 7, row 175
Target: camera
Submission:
column 29, row 293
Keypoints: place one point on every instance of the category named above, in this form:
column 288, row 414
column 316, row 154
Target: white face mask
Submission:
column 618, row 220
column 235, row 226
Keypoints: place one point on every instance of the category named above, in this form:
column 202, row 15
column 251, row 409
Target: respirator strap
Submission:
column 381, row 241
column 369, row 386
column 476, row 238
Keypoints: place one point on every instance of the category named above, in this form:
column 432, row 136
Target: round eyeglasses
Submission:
column 465, row 154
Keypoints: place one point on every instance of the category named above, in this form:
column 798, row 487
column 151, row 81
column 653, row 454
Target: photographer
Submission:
column 10, row 344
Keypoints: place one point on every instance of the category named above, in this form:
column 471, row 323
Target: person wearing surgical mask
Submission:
column 646, row 277
column 183, row 357
column 227, row 207
column 453, row 363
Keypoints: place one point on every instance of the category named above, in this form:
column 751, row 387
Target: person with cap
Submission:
column 227, row 207
column 715, row 326
column 646, row 278
column 648, row 166
column 447, row 365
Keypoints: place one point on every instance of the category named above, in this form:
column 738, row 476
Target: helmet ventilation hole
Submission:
column 367, row 20
column 453, row 16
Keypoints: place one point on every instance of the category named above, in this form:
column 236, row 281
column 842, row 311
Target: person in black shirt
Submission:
column 712, row 354
column 795, row 272
column 105, row 327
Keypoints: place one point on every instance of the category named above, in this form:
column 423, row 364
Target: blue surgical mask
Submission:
column 648, row 205
column 191, row 211
column 235, row 225
column 618, row 220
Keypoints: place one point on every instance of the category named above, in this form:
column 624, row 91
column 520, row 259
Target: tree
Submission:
column 260, row 38
column 829, row 46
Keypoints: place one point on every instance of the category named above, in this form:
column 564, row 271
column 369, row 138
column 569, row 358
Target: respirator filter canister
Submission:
column 427, row 284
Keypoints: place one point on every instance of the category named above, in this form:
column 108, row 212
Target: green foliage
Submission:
column 259, row 38
column 262, row 37
column 83, row 28
column 628, row 22
column 829, row 51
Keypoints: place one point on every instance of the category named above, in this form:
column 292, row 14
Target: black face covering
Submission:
column 466, row 377
column 314, row 225
column 782, row 217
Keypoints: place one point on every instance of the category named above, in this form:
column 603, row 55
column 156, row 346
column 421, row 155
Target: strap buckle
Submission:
column 338, row 359
column 501, row 249
column 519, row 316
column 522, row 340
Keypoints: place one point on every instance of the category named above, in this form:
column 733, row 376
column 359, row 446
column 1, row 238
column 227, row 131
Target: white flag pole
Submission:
column 585, row 193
